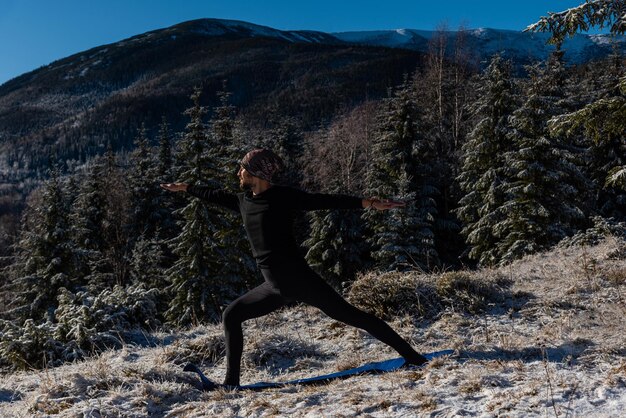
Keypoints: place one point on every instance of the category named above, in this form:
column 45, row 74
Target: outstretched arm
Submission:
column 219, row 197
column 315, row 201
column 381, row 204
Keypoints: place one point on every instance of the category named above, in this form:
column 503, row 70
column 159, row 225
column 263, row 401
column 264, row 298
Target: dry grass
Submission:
column 205, row 349
column 470, row 387
column 616, row 275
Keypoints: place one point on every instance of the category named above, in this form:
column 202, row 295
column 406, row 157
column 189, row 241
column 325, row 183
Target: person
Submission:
column 268, row 212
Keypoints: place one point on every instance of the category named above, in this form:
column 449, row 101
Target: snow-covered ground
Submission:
column 554, row 346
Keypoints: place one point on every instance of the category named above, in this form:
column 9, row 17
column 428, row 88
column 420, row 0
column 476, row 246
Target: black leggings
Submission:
column 291, row 282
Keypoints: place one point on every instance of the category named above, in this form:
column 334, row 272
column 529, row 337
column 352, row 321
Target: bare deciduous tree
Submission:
column 337, row 157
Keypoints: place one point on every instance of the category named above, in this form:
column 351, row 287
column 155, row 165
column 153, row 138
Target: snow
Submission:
column 299, row 37
column 391, row 38
column 554, row 346
column 487, row 41
column 607, row 39
column 214, row 27
column 256, row 30
column 480, row 32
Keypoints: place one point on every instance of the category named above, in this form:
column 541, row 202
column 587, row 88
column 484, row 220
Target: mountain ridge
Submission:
column 414, row 39
column 73, row 106
column 106, row 92
column 518, row 45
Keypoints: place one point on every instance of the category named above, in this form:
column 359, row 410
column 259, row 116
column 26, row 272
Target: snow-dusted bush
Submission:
column 602, row 227
column 467, row 292
column 28, row 345
column 396, row 293
column 83, row 324
column 117, row 309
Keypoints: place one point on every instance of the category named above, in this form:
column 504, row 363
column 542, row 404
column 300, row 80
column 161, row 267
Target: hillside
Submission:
column 72, row 107
column 547, row 339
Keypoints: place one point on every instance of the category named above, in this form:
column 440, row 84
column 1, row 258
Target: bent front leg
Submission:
column 257, row 302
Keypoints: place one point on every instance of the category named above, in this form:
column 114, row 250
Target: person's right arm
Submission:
column 218, row 197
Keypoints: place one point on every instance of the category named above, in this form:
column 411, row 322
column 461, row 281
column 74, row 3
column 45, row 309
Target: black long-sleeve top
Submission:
column 268, row 217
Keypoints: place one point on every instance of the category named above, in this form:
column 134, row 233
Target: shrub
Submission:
column 84, row 324
column 464, row 292
column 602, row 227
column 616, row 275
column 391, row 293
column 394, row 293
column 28, row 345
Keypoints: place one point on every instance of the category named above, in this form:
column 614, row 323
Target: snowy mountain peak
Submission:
column 522, row 47
column 220, row 27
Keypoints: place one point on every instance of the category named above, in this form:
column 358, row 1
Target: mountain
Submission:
column 69, row 110
column 521, row 47
column 73, row 106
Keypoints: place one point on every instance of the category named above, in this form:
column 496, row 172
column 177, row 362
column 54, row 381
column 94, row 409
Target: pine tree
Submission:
column 600, row 127
column 147, row 271
column 142, row 179
column 483, row 173
column 226, row 147
column 592, row 13
column 606, row 146
column 197, row 289
column 146, row 264
column 48, row 254
column 603, row 120
column 116, row 220
column 88, row 217
column 335, row 245
column 227, row 137
column 165, row 202
column 164, row 160
column 89, row 208
column 285, row 138
column 543, row 203
column 402, row 238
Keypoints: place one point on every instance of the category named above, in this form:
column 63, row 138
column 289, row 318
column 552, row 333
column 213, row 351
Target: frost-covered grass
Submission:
column 550, row 343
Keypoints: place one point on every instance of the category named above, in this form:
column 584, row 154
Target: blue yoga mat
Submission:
column 369, row 368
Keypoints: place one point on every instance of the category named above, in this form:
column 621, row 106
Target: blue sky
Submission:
column 36, row 32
